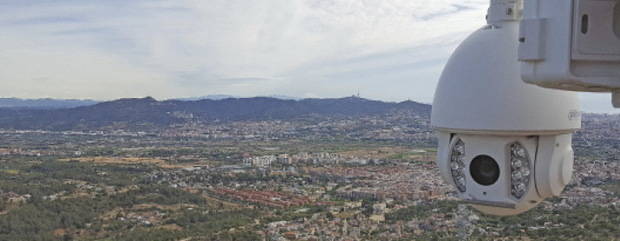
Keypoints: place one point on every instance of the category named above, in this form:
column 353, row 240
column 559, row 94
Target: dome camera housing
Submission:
column 503, row 144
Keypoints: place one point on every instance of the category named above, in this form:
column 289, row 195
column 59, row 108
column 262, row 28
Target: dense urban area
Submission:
column 316, row 178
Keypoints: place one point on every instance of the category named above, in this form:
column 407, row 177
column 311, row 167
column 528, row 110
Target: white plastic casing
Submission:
column 551, row 161
column 482, row 100
column 480, row 90
column 571, row 44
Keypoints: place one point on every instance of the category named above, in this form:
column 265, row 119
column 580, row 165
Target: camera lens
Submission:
column 484, row 170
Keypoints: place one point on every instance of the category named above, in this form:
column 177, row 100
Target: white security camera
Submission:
column 503, row 144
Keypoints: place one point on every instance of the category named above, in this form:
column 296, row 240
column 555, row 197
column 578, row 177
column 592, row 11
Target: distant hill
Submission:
column 43, row 103
column 207, row 97
column 148, row 113
column 221, row 97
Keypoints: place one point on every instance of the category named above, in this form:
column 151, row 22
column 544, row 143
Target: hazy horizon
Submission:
column 389, row 50
column 599, row 105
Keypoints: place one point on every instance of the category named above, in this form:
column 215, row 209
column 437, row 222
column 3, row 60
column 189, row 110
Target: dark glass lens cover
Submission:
column 484, row 170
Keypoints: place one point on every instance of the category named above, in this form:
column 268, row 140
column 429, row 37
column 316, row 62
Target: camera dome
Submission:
column 481, row 90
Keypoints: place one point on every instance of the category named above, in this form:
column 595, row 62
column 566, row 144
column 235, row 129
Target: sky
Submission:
column 390, row 50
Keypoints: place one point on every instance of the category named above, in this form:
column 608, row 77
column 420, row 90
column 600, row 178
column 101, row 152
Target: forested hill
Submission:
column 148, row 113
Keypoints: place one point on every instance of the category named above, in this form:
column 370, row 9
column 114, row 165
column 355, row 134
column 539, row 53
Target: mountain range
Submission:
column 148, row 113
column 49, row 103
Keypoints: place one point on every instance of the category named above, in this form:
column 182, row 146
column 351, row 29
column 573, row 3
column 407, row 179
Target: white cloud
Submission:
column 202, row 46
column 76, row 74
column 387, row 49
